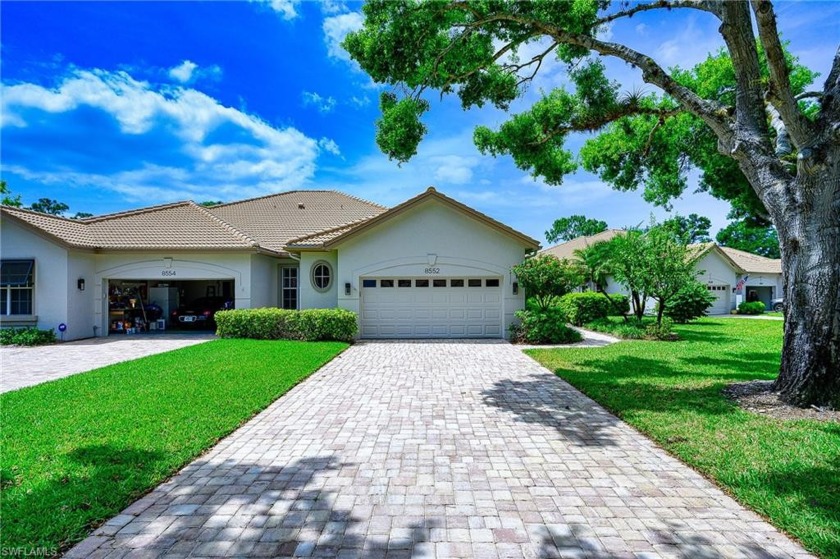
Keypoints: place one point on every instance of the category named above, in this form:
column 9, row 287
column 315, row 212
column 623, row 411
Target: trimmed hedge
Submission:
column 690, row 302
column 311, row 325
column 754, row 307
column 543, row 327
column 26, row 336
column 587, row 306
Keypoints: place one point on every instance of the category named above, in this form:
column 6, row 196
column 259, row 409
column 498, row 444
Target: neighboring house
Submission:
column 429, row 267
column 722, row 270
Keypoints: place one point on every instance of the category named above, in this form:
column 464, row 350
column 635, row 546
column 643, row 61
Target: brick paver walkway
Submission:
column 437, row 450
column 27, row 366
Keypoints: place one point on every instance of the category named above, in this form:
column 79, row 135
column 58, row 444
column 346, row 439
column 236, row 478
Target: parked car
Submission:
column 200, row 312
column 778, row 305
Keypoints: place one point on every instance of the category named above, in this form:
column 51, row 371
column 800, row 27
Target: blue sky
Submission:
column 114, row 105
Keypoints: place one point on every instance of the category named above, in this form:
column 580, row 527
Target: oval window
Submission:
column 321, row 276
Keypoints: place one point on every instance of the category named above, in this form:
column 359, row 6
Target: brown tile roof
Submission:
column 68, row 231
column 753, row 263
column 326, row 238
column 266, row 223
column 567, row 250
column 278, row 218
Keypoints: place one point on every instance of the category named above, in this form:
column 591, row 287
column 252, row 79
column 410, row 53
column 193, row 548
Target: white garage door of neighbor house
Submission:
column 721, row 303
column 431, row 308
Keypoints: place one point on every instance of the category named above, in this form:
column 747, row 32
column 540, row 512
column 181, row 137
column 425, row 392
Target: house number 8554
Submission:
column 167, row 273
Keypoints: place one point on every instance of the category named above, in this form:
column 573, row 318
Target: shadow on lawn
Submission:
column 84, row 487
column 548, row 401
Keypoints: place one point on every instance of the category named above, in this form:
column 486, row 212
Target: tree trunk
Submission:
column 809, row 237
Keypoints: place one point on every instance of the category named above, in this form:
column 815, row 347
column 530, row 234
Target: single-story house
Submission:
column 732, row 275
column 430, row 267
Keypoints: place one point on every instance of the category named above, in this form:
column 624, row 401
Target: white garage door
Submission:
column 431, row 308
column 721, row 303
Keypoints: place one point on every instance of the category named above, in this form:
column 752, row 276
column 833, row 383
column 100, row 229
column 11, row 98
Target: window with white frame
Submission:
column 321, row 276
column 16, row 287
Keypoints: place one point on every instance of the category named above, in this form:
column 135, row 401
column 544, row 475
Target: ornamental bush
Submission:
column 581, row 308
column 754, row 307
column 309, row 325
column 26, row 336
column 543, row 327
column 689, row 303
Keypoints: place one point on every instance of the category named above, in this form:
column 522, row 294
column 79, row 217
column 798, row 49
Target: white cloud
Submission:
column 360, row 100
column 259, row 158
column 189, row 72
column 336, row 28
column 323, row 104
column 329, row 145
column 642, row 29
column 184, row 71
column 333, row 6
column 287, row 9
column 453, row 169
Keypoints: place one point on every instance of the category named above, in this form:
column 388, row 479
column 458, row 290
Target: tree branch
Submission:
column 606, row 117
column 799, row 127
column 703, row 5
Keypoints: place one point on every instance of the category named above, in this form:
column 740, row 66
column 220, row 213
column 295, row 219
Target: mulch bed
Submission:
column 757, row 397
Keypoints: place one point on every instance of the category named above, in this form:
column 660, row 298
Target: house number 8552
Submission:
column 432, row 270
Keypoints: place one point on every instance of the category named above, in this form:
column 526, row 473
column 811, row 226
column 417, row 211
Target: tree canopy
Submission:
column 49, row 206
column 751, row 237
column 6, row 196
column 691, row 229
column 574, row 226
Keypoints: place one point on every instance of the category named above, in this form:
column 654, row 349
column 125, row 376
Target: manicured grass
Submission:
column 774, row 313
column 788, row 471
column 78, row 450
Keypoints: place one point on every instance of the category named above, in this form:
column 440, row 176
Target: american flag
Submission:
column 741, row 282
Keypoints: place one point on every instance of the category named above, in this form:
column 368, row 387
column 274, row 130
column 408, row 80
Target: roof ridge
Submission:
column 227, row 226
column 264, row 196
column 137, row 211
column 42, row 214
column 344, row 225
column 358, row 199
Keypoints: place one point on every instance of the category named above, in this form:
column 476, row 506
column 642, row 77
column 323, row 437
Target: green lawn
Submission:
column 76, row 451
column 788, row 471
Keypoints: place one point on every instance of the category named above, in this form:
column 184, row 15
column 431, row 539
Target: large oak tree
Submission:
column 743, row 118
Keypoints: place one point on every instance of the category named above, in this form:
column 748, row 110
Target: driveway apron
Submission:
column 437, row 449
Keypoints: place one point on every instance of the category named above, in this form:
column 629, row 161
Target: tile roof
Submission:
column 323, row 239
column 279, row 218
column 753, row 263
column 266, row 223
column 567, row 250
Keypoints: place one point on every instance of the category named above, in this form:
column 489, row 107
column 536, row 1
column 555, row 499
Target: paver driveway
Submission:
column 27, row 366
column 437, row 450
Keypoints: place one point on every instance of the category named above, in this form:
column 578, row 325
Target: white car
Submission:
column 778, row 305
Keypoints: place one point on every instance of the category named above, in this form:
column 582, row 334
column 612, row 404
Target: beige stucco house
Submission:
column 429, row 267
column 721, row 269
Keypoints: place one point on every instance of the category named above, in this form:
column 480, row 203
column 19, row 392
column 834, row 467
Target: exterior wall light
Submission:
column 347, row 288
column 80, row 284
column 516, row 288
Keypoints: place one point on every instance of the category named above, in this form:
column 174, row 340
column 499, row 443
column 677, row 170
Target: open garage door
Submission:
column 431, row 308
column 137, row 306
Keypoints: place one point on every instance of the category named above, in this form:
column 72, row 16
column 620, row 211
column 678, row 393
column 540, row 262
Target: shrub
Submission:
column 620, row 305
column 545, row 277
column 26, row 336
column 755, row 307
column 543, row 327
column 631, row 330
column 689, row 303
column 662, row 330
column 581, row 308
column 281, row 324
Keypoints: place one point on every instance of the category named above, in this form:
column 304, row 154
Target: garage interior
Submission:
column 138, row 306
